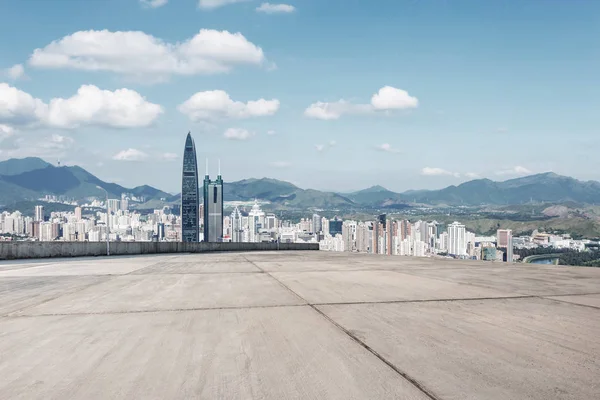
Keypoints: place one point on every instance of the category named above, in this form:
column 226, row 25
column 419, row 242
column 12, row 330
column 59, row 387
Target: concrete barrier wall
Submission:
column 20, row 250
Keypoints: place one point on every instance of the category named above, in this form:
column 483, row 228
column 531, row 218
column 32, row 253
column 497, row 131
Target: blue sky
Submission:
column 492, row 89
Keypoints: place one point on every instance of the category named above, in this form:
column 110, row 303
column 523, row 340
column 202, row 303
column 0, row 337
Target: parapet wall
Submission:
column 21, row 250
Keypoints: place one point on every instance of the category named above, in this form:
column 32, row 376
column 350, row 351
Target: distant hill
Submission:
column 32, row 178
column 16, row 166
column 376, row 196
column 547, row 187
column 282, row 194
column 72, row 182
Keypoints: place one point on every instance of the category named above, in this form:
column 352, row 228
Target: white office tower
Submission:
column 457, row 239
column 237, row 229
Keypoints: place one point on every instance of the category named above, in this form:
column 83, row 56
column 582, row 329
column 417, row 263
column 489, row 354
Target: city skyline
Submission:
column 437, row 93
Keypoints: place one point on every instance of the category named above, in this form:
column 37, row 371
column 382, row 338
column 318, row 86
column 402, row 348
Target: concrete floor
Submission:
column 297, row 325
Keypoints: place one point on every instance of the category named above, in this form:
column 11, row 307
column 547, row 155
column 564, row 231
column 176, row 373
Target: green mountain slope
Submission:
column 16, row 166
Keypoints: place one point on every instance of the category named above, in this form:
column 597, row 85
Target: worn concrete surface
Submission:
column 297, row 325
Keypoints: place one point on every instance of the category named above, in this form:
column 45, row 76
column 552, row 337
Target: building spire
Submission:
column 207, row 167
column 219, row 167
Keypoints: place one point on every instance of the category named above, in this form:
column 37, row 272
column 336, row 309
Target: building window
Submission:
column 215, row 194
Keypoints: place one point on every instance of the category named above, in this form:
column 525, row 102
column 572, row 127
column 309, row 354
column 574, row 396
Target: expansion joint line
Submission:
column 355, row 339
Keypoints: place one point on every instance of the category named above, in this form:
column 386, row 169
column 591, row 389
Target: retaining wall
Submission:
column 20, row 250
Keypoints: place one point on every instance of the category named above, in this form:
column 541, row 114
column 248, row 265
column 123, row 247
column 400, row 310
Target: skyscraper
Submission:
column 190, row 229
column 457, row 239
column 237, row 230
column 213, row 208
column 509, row 247
column 39, row 213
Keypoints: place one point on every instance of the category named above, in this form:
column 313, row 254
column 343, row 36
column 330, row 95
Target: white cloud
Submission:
column 48, row 147
column 137, row 54
column 472, row 175
column 169, row 156
column 212, row 4
column 332, row 143
column 15, row 72
column 431, row 171
column 123, row 108
column 387, row 148
column 154, row 3
column 237, row 134
column 386, row 99
column 130, row 155
column 280, row 164
column 217, row 104
column 390, row 98
column 334, row 110
column 271, row 133
column 269, row 8
column 319, row 147
column 18, row 107
column 6, row 131
column 518, row 170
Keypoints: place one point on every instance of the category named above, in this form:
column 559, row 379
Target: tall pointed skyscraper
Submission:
column 190, row 223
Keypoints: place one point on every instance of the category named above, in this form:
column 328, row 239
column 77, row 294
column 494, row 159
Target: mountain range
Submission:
column 32, row 178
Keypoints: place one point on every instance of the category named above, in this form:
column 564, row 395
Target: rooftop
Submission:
column 297, row 325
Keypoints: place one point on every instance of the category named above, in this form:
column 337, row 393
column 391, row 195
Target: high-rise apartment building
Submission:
column 509, row 248
column 237, row 229
column 124, row 202
column 213, row 208
column 78, row 213
column 114, row 205
column 317, row 223
column 502, row 237
column 457, row 239
column 190, row 218
column 39, row 214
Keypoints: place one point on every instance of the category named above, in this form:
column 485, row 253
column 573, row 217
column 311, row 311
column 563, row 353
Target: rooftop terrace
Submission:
column 297, row 325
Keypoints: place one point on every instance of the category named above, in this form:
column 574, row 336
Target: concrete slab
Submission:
column 373, row 286
column 491, row 349
column 212, row 326
column 197, row 267
column 76, row 266
column 592, row 300
column 171, row 292
column 18, row 293
column 276, row 353
column 525, row 279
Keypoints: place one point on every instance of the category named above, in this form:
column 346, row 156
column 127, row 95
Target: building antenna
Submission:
column 207, row 167
column 219, row 167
